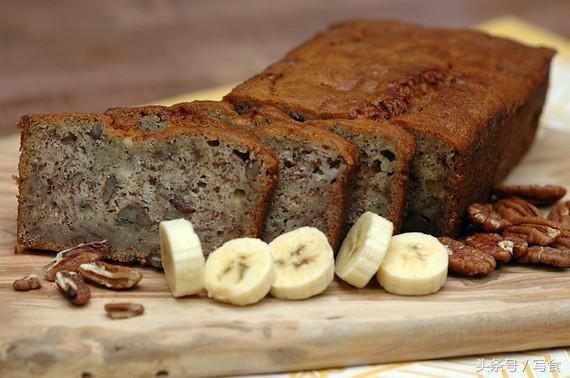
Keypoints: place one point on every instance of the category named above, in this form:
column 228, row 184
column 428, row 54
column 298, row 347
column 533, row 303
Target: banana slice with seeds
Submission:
column 363, row 249
column 240, row 272
column 182, row 257
column 305, row 263
column 415, row 264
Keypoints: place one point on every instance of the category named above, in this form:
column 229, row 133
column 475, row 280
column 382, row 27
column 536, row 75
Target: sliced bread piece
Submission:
column 87, row 177
column 385, row 153
column 316, row 167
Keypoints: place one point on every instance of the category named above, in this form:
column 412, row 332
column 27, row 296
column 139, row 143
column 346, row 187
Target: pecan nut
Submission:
column 123, row 310
column 492, row 244
column 534, row 230
column 559, row 257
column 28, row 282
column 512, row 209
column 70, row 259
column 467, row 260
column 109, row 275
column 564, row 238
column 486, row 217
column 536, row 194
column 73, row 287
column 560, row 213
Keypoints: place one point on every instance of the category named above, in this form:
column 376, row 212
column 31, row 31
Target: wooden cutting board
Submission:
column 516, row 308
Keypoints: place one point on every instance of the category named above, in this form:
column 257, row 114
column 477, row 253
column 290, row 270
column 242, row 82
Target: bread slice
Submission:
column 385, row 152
column 380, row 183
column 471, row 102
column 87, row 177
column 316, row 167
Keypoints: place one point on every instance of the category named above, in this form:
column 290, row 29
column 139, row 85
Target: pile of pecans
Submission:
column 70, row 269
column 513, row 229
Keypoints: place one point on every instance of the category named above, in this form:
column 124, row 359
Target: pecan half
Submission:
column 559, row 257
column 560, row 213
column 564, row 238
column 486, row 217
column 71, row 258
column 28, row 282
column 123, row 310
column 512, row 209
column 492, row 244
column 109, row 275
column 73, row 287
column 467, row 260
column 534, row 230
column 536, row 194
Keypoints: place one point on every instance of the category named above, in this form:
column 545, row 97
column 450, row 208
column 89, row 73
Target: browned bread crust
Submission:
column 47, row 219
column 470, row 100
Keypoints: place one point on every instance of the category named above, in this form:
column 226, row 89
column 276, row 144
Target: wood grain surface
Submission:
column 68, row 55
column 516, row 308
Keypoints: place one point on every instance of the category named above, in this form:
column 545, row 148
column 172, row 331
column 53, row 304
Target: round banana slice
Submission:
column 363, row 249
column 182, row 257
column 415, row 264
column 240, row 272
column 305, row 263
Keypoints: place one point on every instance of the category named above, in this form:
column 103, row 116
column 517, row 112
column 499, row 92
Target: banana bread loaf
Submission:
column 471, row 101
column 87, row 177
column 316, row 167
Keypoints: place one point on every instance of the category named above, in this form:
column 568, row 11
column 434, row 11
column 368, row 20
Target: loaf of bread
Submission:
column 471, row 102
column 88, row 177
column 316, row 167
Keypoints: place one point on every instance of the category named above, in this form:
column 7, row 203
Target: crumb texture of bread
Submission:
column 82, row 179
column 466, row 97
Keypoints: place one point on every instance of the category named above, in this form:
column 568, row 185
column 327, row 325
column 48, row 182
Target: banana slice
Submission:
column 305, row 263
column 363, row 249
column 182, row 257
column 240, row 272
column 415, row 264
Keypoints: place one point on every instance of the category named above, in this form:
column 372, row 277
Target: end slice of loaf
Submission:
column 87, row 177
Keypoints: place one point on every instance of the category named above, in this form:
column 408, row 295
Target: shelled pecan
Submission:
column 547, row 255
column 536, row 194
column 73, row 287
column 564, row 238
column 486, row 217
column 123, row 310
column 512, row 209
column 109, row 275
column 492, row 244
column 534, row 230
column 467, row 260
column 560, row 213
column 28, row 282
column 70, row 259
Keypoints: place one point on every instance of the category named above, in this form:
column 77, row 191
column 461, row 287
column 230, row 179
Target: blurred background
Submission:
column 70, row 55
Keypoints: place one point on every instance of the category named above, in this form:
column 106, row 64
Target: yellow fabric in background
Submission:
column 543, row 363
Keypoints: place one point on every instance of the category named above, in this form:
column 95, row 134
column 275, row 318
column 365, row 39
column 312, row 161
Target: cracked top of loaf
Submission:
column 446, row 83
